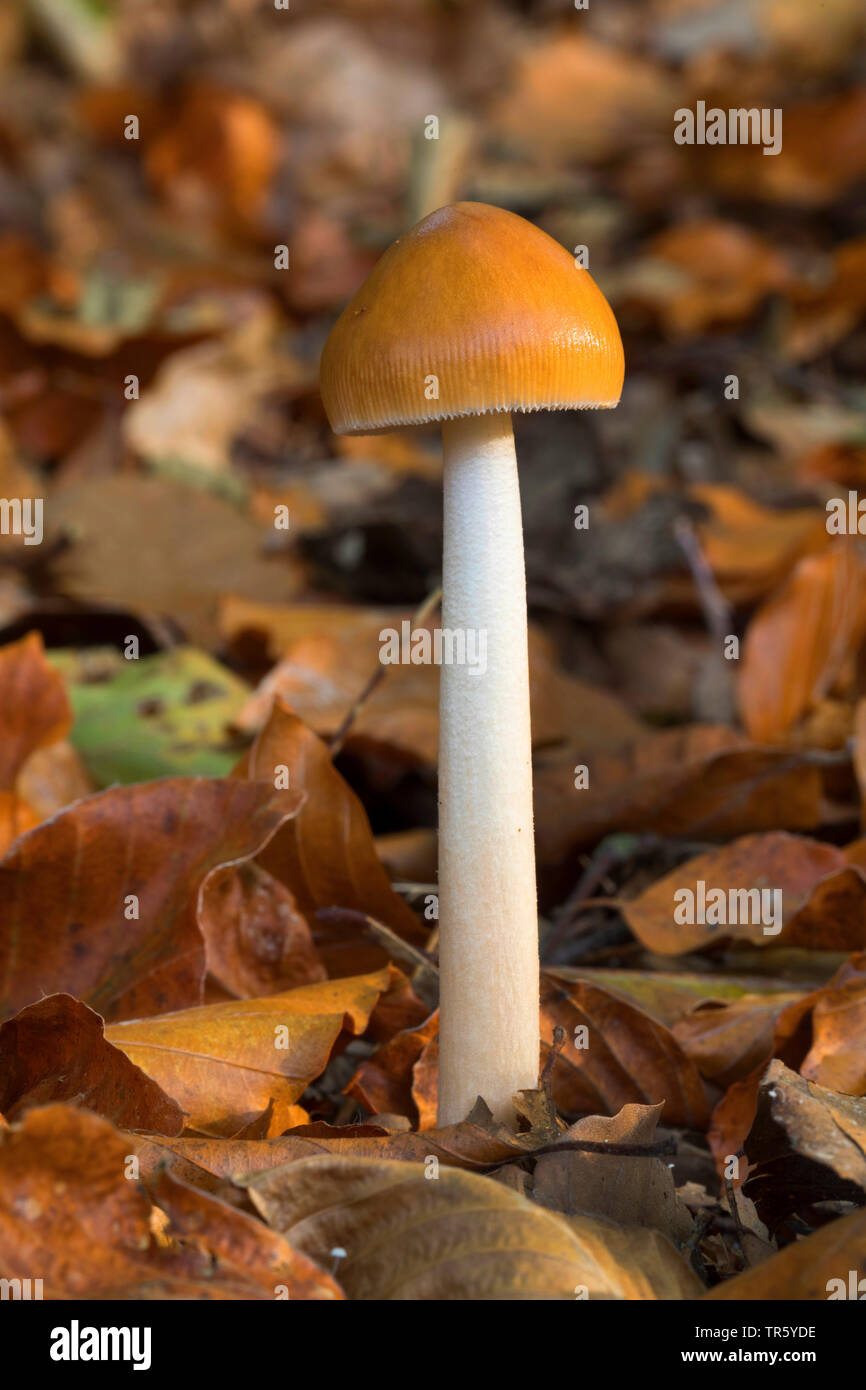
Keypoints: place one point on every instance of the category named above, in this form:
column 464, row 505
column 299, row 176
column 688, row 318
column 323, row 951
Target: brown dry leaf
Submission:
column 669, row 996
column 629, row 1190
column 425, row 1085
column 822, row 1035
column 102, row 901
column 217, row 158
column 837, row 1056
column 840, row 461
column 751, row 548
column 56, row 1050
column 705, row 274
column 823, row 154
column 257, row 941
column 53, row 778
column 329, row 654
column 825, row 1265
column 383, row 1082
column 328, row 859
column 203, row 396
column 822, row 898
column 794, row 32
column 397, row 1009
column 820, row 317
column 798, row 641
column 789, row 426
column 615, row 93
column 726, row 1041
column 239, row 1244
column 623, row 1057
column 154, row 545
column 459, row 1236
column 227, row 1063
column 701, row 780
column 735, row 1113
column 34, row 714
column 207, row 1162
column 16, row 817
column 34, row 708
column 807, row 1145
column 71, row 1216
column 23, row 272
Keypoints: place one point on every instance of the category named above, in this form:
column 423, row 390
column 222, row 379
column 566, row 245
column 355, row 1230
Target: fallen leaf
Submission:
column 458, row 1237
column 816, row 1268
column 820, row 1035
column 328, row 655
column 203, row 397
column 837, row 1056
column 700, row 781
column 52, row 778
column 633, row 1191
column 717, row 273
column 807, row 1144
column 158, row 546
column 165, row 715
column 383, row 1082
column 16, row 817
column 70, row 1216
column 822, row 154
column 217, row 158
column 34, row 709
column 620, row 1055
column 226, row 1063
column 328, row 858
column 727, row 1041
column 206, row 1162
column 751, row 548
column 257, row 941
column 56, row 1050
column 102, row 901
column 819, row 897
column 796, row 644
column 617, row 92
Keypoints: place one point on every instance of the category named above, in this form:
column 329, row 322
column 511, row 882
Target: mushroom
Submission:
column 473, row 314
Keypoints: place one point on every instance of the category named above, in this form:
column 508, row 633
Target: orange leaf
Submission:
column 226, row 1063
column 56, row 1050
column 798, row 641
column 624, row 1056
column 71, row 1217
column 326, row 855
column 102, row 901
column 34, row 709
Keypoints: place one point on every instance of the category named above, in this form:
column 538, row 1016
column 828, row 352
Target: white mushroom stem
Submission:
column 488, row 920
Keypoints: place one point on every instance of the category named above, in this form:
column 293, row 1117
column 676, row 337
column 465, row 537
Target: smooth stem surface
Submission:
column 488, row 920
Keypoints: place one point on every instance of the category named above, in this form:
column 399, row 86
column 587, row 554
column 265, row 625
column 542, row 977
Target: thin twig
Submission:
column 429, row 605
column 716, row 609
column 425, row 976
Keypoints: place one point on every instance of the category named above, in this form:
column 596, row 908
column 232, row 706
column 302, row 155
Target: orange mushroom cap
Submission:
column 475, row 310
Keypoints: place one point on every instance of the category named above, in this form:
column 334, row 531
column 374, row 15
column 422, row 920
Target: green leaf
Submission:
column 166, row 715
